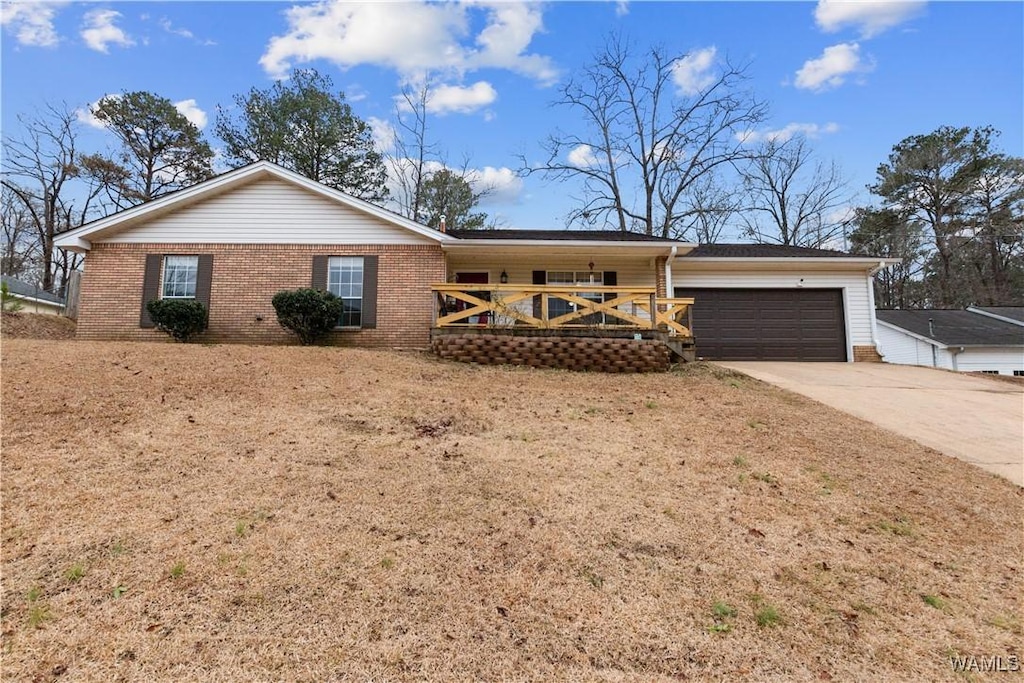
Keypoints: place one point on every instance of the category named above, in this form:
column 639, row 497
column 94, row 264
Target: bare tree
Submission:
column 20, row 256
column 714, row 205
column 409, row 161
column 792, row 198
column 650, row 138
column 40, row 170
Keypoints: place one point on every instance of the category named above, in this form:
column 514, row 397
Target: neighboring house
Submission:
column 32, row 298
column 235, row 240
column 989, row 340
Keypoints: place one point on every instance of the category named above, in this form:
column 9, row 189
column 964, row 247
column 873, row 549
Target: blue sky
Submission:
column 856, row 77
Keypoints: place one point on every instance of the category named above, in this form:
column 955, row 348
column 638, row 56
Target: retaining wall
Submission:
column 593, row 354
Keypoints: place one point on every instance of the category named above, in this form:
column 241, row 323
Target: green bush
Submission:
column 309, row 313
column 8, row 300
column 180, row 318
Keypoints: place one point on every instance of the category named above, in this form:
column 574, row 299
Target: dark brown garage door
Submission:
column 768, row 324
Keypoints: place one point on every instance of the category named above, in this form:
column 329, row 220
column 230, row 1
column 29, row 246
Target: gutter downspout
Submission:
column 874, row 270
column 668, row 272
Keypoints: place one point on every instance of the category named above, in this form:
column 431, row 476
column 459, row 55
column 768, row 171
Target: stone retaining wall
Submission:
column 568, row 353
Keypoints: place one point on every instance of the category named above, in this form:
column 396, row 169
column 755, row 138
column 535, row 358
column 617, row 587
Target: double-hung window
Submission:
column 573, row 280
column 180, row 277
column 345, row 281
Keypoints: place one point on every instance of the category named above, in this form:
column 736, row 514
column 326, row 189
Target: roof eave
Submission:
column 463, row 242
column 867, row 261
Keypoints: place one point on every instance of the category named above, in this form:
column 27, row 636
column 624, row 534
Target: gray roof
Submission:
column 600, row 235
column 22, row 288
column 955, row 327
column 763, row 251
column 1011, row 312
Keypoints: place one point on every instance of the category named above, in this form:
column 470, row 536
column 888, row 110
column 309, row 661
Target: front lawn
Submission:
column 174, row 512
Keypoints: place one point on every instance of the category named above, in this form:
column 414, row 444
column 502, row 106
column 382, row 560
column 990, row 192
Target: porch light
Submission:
column 591, row 265
column 504, row 278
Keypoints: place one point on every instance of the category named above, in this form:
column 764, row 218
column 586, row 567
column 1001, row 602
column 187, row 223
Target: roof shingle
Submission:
column 955, row 327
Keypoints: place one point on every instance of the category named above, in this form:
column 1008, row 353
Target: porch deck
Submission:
column 547, row 307
column 612, row 329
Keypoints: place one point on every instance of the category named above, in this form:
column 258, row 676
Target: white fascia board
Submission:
column 1002, row 318
column 920, row 337
column 73, row 238
column 859, row 261
column 45, row 302
column 648, row 247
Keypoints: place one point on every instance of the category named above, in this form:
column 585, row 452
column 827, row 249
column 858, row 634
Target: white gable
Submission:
column 267, row 211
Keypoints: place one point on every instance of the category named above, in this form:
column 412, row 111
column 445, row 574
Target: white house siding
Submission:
column 902, row 349
column 856, row 300
column 37, row 306
column 1004, row 360
column 268, row 211
column 631, row 272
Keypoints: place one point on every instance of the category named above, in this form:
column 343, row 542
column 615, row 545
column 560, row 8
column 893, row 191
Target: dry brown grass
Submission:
column 36, row 326
column 177, row 512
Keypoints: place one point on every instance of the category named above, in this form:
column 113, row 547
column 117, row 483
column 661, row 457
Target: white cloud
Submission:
column 86, row 116
column 871, row 16
column 31, row 22
column 461, row 99
column 582, row 156
column 411, row 38
column 99, row 31
column 191, row 111
column 383, row 133
column 808, row 130
column 622, row 8
column 693, row 72
column 166, row 25
column 501, row 185
column 831, row 68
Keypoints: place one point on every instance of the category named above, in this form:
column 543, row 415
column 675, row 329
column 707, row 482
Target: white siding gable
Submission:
column 268, row 211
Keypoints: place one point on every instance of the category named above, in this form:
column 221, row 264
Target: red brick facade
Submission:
column 246, row 276
column 866, row 354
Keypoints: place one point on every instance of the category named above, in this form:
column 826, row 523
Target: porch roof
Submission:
column 564, row 242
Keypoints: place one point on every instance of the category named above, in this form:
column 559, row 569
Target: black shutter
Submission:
column 369, row 316
column 319, row 273
column 540, row 277
column 610, row 279
column 150, row 287
column 204, row 278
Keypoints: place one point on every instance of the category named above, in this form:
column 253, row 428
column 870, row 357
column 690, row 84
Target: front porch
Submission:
column 585, row 327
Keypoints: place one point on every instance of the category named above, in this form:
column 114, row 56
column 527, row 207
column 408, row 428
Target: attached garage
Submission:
column 769, row 324
column 779, row 303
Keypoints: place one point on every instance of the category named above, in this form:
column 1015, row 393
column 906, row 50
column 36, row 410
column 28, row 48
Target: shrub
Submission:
column 180, row 318
column 8, row 300
column 309, row 313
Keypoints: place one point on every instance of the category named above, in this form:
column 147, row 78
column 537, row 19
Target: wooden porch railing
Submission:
column 556, row 307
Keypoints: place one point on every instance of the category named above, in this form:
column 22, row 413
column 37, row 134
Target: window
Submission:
column 345, row 281
column 180, row 277
column 568, row 278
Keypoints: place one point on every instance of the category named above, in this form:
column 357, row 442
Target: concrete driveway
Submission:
column 973, row 418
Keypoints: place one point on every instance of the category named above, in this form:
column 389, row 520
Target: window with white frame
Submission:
column 345, row 281
column 180, row 277
column 569, row 278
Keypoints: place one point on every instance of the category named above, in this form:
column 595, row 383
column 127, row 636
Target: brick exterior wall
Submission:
column 866, row 354
column 595, row 354
column 245, row 277
column 659, row 277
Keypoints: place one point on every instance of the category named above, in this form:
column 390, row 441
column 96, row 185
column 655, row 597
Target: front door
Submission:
column 474, row 279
